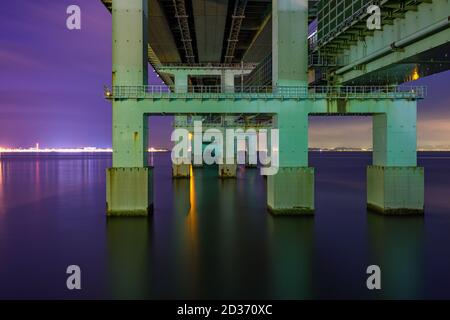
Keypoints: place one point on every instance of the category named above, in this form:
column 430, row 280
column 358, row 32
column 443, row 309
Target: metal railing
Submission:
column 208, row 65
column 265, row 92
column 318, row 60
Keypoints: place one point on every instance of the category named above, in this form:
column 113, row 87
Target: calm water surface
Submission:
column 210, row 238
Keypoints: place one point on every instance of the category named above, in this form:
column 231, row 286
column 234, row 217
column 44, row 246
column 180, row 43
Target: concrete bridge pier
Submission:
column 250, row 162
column 228, row 169
column 129, row 183
column 291, row 190
column 395, row 185
column 182, row 170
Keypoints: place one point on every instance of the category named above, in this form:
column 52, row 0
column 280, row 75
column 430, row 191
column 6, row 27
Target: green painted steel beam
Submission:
column 265, row 106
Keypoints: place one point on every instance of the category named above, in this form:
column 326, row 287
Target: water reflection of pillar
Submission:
column 184, row 253
column 292, row 245
column 129, row 251
column 396, row 245
column 151, row 158
column 231, row 258
column 37, row 180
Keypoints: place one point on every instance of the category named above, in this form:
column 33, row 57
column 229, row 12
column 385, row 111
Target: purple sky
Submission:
column 51, row 82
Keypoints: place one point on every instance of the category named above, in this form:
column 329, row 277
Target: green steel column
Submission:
column 394, row 182
column 291, row 190
column 290, row 42
column 129, row 189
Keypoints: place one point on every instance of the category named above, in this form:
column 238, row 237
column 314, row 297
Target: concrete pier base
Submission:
column 129, row 191
column 227, row 171
column 395, row 190
column 180, row 171
column 291, row 191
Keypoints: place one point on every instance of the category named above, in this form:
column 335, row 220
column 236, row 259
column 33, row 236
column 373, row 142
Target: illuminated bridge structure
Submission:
column 274, row 64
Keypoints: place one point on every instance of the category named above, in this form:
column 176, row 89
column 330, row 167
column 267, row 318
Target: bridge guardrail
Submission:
column 265, row 92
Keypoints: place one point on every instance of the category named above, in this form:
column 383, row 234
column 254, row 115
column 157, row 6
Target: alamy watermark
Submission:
column 73, row 21
column 374, row 20
column 374, row 280
column 249, row 146
column 73, row 281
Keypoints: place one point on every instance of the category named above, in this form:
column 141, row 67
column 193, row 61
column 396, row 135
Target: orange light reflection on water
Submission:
column 192, row 228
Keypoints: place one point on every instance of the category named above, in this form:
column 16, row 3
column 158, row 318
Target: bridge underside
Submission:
column 394, row 182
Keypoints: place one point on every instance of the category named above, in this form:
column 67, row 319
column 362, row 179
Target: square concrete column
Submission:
column 228, row 170
column 129, row 189
column 291, row 190
column 197, row 149
column 395, row 185
column 130, row 42
column 227, row 81
column 290, row 42
column 180, row 171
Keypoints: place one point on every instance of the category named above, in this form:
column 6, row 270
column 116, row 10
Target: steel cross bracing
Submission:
column 236, row 22
column 183, row 24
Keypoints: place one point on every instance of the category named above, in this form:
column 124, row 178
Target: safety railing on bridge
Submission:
column 265, row 92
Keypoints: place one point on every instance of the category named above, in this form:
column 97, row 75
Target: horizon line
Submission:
column 153, row 149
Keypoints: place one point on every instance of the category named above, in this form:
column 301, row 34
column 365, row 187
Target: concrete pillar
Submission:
column 290, row 42
column 197, row 136
column 181, row 81
column 129, row 42
column 291, row 190
column 129, row 136
column 395, row 185
column 250, row 136
column 227, row 80
column 228, row 170
column 181, row 86
column 129, row 189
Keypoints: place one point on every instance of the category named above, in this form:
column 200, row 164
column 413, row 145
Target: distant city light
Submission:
column 37, row 149
column 415, row 76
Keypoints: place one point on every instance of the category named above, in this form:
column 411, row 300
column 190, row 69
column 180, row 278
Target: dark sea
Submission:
column 214, row 239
